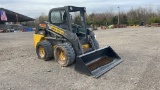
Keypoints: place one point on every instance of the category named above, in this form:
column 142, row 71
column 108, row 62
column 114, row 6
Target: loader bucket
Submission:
column 97, row 62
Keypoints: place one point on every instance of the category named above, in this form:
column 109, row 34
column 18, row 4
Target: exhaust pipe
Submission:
column 97, row 62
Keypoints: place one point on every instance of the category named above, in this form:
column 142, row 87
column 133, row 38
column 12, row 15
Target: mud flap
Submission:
column 97, row 62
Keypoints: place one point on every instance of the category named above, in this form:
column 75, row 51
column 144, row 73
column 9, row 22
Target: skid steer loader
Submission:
column 68, row 42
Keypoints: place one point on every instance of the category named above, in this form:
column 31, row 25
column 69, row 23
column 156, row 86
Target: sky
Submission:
column 34, row 8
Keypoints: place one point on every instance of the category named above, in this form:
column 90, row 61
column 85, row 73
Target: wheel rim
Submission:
column 41, row 52
column 61, row 56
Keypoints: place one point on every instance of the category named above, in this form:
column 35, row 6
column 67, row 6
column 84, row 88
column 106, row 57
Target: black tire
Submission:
column 47, row 53
column 96, row 43
column 64, row 54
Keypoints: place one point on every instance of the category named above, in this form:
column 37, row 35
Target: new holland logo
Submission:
column 57, row 30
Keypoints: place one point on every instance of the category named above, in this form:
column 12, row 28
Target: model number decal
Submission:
column 57, row 30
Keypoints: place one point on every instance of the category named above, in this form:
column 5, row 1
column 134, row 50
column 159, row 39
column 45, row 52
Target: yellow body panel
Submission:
column 37, row 38
column 85, row 46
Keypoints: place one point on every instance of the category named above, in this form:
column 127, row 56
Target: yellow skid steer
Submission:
column 68, row 42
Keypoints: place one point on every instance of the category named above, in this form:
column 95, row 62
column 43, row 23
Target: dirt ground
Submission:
column 20, row 69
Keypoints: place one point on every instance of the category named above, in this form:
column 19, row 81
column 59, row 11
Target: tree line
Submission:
column 135, row 16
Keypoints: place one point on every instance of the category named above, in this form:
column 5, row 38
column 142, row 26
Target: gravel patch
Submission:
column 138, row 47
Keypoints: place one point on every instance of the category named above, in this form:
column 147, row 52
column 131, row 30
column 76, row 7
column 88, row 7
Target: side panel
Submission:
column 37, row 38
column 71, row 37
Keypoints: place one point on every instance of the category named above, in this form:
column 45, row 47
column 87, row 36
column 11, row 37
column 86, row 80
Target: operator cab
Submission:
column 62, row 17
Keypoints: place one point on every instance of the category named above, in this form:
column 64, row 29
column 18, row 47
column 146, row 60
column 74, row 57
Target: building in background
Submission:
column 12, row 21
